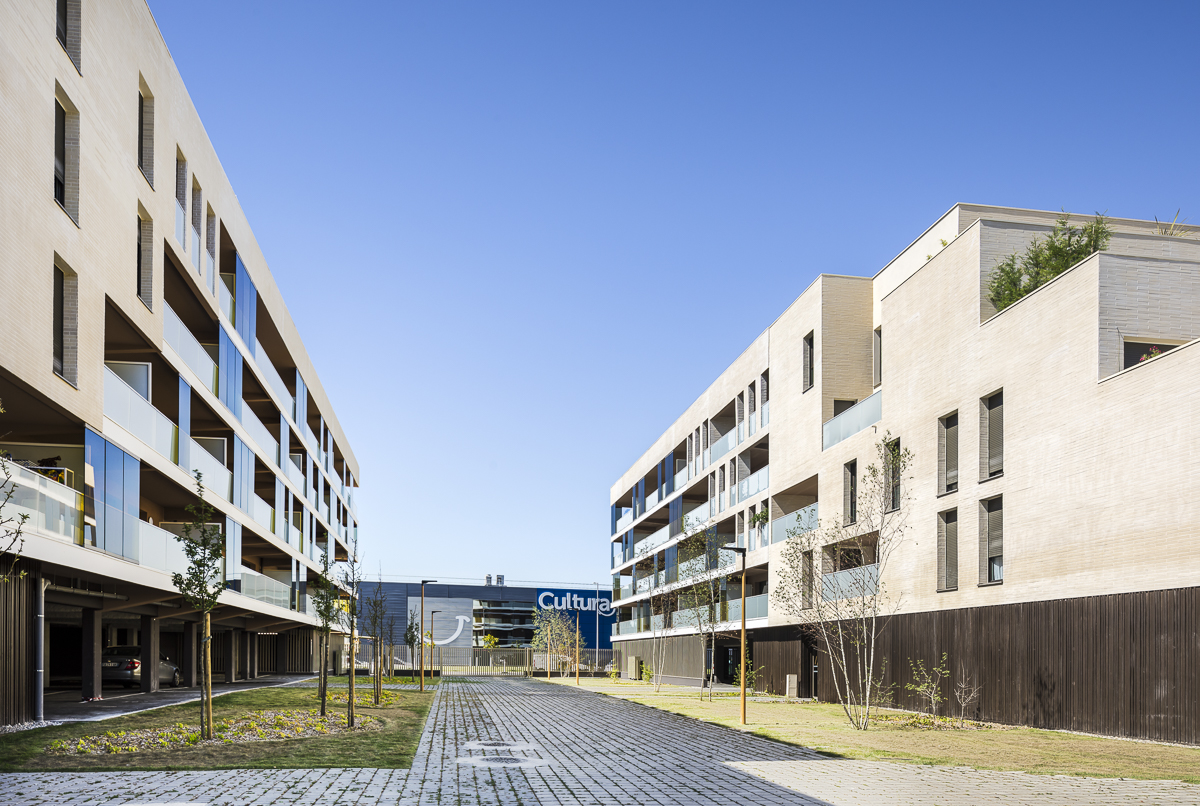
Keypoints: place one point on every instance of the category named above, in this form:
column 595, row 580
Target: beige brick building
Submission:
column 144, row 339
column 1068, row 578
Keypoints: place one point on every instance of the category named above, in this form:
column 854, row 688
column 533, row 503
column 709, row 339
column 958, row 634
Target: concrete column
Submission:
column 150, row 652
column 251, row 655
column 39, row 649
column 281, row 654
column 243, row 668
column 93, row 645
column 229, row 644
column 190, row 658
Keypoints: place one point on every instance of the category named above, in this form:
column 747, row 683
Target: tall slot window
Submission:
column 66, row 28
column 145, row 131
column 141, row 128
column 808, row 361
column 947, row 551
column 850, row 493
column 60, row 154
column 893, row 475
column 59, row 320
column 807, row 576
column 991, row 436
column 991, row 540
column 64, row 301
column 948, row 453
column 145, row 260
column 877, row 357
column 66, row 154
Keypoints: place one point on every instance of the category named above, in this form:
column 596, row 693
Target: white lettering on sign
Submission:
column 548, row 600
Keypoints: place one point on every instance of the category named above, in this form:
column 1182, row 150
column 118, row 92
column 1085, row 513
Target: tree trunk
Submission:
column 323, row 685
column 206, row 695
column 350, row 672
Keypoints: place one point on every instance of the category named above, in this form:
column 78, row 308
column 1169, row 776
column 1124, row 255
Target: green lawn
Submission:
column 824, row 727
column 362, row 681
column 390, row 746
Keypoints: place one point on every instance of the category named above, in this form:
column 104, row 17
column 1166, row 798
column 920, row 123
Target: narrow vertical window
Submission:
column 991, row 436
column 141, row 132
column 877, row 355
column 60, row 154
column 807, row 577
column 60, row 22
column 893, row 475
column 948, row 453
column 66, row 27
column 145, row 261
column 808, row 362
column 991, row 540
column 850, row 493
column 59, row 320
column 947, row 551
column 145, row 131
column 141, row 291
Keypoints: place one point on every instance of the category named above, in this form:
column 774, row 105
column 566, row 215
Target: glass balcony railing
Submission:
column 210, row 264
column 756, row 607
column 295, row 536
column 696, row 517
column 179, row 225
column 752, row 423
column 850, row 583
column 262, row 513
column 54, row 510
column 157, row 548
column 135, row 414
column 625, row 520
column 652, row 500
column 800, row 521
column 741, row 432
column 862, row 414
column 265, row 589
column 189, row 349
column 216, row 476
column 681, row 479
column 294, row 474
column 196, row 249
column 722, row 446
column 274, row 380
column 259, row 433
column 765, row 415
column 225, row 298
column 754, row 484
column 310, row 438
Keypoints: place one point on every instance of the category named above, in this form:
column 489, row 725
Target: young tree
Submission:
column 834, row 578
column 700, row 601
column 553, row 632
column 375, row 605
column 966, row 691
column 12, row 541
column 326, row 600
column 927, row 682
column 201, row 586
column 352, row 584
column 389, row 631
column 411, row 638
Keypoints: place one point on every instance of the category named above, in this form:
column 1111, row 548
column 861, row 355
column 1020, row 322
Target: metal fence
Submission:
column 508, row 661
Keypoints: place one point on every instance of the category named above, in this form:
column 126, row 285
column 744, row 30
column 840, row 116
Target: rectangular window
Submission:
column 1137, row 352
column 807, row 580
column 948, row 453
column 991, row 540
column 61, row 22
column 141, row 132
column 145, row 261
column 808, row 362
column 840, row 406
column 59, row 320
column 947, row 551
column 145, row 144
column 66, row 27
column 60, row 154
column 850, row 493
column 991, row 436
column 877, row 355
column 893, row 475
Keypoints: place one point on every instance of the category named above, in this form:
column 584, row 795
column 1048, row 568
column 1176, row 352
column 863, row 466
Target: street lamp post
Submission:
column 577, row 647
column 421, row 643
column 741, row 551
column 432, row 643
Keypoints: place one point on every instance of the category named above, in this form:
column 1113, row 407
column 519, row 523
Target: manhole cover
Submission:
column 506, row 761
column 501, row 760
column 494, row 744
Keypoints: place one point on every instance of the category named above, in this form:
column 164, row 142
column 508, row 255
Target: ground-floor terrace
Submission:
column 1119, row 665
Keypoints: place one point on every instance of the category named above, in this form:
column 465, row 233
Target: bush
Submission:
column 1018, row 275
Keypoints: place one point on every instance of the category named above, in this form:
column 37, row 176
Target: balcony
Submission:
column 179, row 225
column 225, row 297
column 862, row 414
column 721, row 447
column 189, row 349
column 681, row 478
column 54, row 510
column 295, row 537
column 210, row 264
column 293, row 472
column 262, row 513
column 135, row 414
column 310, row 438
column 159, row 549
column 800, row 521
column 625, row 520
column 264, row 589
column 754, row 484
column 850, row 583
column 741, row 432
column 216, row 476
column 765, row 414
column 196, row 249
column 752, row 422
column 259, row 433
column 273, row 379
column 756, row 607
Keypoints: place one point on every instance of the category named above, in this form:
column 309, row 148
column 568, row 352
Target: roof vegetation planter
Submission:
column 1018, row 275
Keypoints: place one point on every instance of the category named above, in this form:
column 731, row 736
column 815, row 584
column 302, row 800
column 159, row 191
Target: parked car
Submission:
column 123, row 664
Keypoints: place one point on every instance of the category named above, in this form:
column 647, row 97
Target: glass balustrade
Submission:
column 754, row 484
column 741, row 432
column 681, row 479
column 310, row 438
column 159, row 549
column 210, row 264
column 294, row 474
column 850, row 583
column 756, row 607
column 295, row 536
column 216, row 476
column 262, row 513
column 179, row 225
column 765, row 414
column 225, row 298
column 189, row 349
column 135, row 414
column 798, row 522
column 862, row 414
column 265, row 589
column 722, row 446
column 625, row 520
column 259, row 433
column 196, row 248
column 54, row 510
column 695, row 517
column 752, row 422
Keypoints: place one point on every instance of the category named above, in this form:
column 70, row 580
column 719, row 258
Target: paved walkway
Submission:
column 567, row 746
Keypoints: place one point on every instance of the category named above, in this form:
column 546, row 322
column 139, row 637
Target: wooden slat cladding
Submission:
column 1120, row 665
column 16, row 645
column 681, row 655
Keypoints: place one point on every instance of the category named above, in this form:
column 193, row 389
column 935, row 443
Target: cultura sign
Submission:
column 573, row 601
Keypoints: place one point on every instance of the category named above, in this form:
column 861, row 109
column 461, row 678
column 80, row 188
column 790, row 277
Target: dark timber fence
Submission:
column 16, row 644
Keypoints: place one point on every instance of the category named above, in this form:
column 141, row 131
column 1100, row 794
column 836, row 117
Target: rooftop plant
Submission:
column 1017, row 275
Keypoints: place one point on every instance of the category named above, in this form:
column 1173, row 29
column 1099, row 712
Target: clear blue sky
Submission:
column 520, row 238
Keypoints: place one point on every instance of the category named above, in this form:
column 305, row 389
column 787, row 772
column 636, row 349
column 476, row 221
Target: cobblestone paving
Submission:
column 587, row 749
